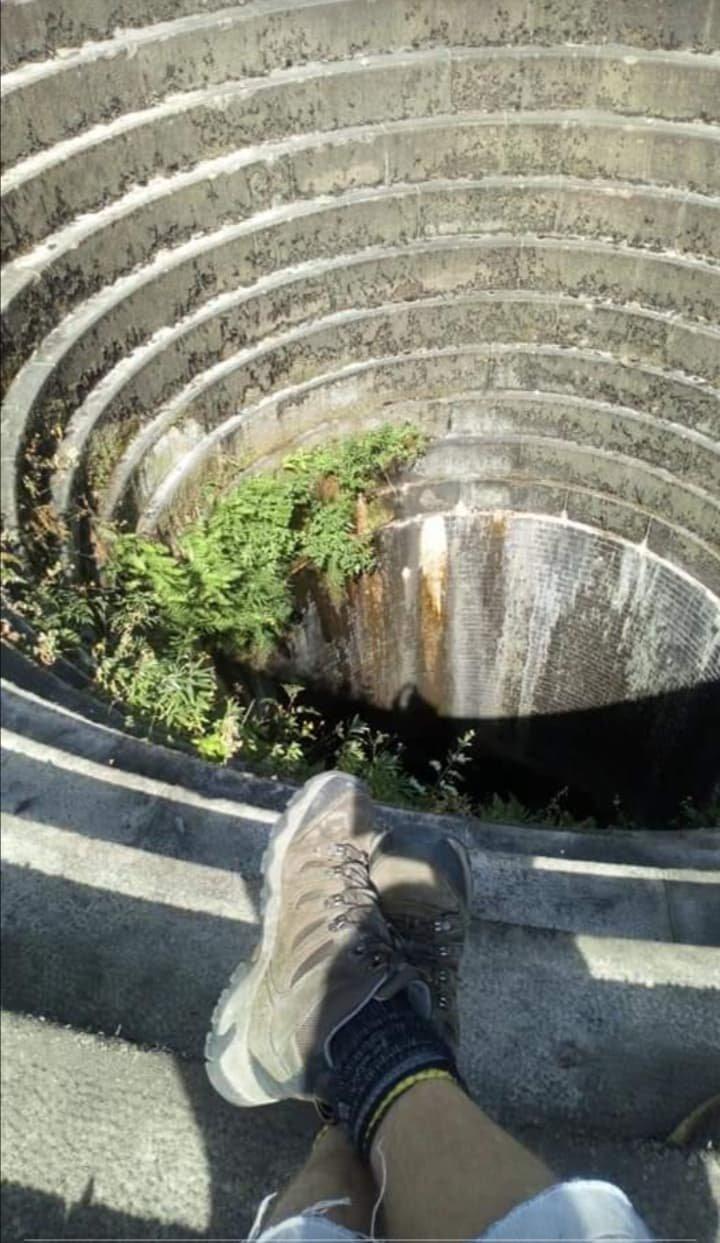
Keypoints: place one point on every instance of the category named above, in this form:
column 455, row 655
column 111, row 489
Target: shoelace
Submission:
column 360, row 903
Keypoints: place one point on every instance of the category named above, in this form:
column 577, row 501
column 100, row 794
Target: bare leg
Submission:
column 448, row 1171
column 333, row 1171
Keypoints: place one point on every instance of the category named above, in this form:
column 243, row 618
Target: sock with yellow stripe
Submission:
column 378, row 1055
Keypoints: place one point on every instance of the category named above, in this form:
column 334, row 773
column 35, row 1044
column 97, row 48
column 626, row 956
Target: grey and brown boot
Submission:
column 424, row 882
column 326, row 951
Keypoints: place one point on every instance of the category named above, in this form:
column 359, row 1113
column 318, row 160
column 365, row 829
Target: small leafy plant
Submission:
column 378, row 759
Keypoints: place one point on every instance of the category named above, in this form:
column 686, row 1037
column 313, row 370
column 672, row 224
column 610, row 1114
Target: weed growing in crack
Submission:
column 378, row 759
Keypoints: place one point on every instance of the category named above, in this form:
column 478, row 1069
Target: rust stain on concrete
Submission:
column 433, row 556
column 369, row 617
column 498, row 525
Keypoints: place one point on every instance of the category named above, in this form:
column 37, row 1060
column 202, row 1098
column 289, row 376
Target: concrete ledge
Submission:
column 44, row 709
column 64, row 793
column 361, row 388
column 33, row 28
column 231, row 187
column 100, row 936
column 191, row 464
column 131, row 875
column 82, row 349
column 151, row 374
column 74, row 354
column 100, row 249
column 61, row 795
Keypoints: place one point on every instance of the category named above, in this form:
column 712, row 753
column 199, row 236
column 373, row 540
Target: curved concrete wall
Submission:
column 230, row 230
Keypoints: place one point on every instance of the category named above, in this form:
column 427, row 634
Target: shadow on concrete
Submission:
column 75, row 804
column 123, row 813
column 28, row 1213
column 636, row 760
column 106, row 962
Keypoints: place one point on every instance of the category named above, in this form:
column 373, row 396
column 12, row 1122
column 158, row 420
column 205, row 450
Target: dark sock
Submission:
column 383, row 1045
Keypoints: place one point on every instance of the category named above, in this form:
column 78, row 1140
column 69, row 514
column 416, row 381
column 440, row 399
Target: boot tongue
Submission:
column 407, row 979
column 420, row 997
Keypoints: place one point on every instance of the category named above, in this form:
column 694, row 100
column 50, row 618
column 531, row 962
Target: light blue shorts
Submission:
column 582, row 1211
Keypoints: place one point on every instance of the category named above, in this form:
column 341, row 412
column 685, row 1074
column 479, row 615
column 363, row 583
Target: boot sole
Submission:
column 231, row 1068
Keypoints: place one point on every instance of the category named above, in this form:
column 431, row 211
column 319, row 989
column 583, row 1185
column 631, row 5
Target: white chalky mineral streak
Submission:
column 434, row 559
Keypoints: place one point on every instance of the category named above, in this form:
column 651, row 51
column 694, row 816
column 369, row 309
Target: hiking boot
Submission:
column 325, row 951
column 424, row 883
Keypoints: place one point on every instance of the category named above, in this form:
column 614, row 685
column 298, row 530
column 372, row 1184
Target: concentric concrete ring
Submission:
column 231, row 230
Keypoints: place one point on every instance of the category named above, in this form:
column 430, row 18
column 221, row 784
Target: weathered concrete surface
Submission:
column 104, row 1140
column 512, row 615
column 34, row 28
column 137, row 65
column 74, row 354
column 127, row 901
column 544, row 623
column 231, row 232
column 206, row 200
column 130, row 878
column 45, row 190
column 208, row 213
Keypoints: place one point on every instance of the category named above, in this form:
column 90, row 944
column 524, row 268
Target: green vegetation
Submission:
column 151, row 632
column 231, row 585
column 150, row 635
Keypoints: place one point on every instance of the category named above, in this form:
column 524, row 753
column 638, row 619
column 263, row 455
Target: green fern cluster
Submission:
column 231, row 584
column 150, row 632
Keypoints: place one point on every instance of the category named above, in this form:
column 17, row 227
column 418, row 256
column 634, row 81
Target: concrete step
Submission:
column 33, row 29
column 106, row 325
column 45, row 707
column 81, row 173
column 213, row 204
column 272, row 312
column 245, row 229
column 128, row 899
column 106, row 1140
column 140, row 65
column 540, row 142
column 189, row 461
